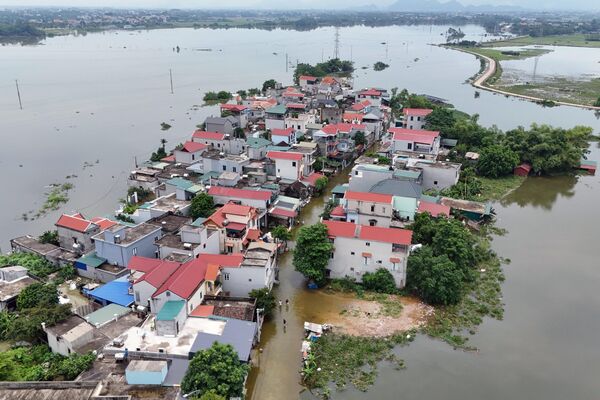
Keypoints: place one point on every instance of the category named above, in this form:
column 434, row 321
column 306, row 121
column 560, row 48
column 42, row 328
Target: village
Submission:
column 184, row 261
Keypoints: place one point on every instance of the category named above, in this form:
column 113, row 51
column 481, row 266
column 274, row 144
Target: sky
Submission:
column 296, row 4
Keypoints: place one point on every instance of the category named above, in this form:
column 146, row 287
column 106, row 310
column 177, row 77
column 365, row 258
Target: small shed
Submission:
column 116, row 292
column 170, row 318
column 146, row 372
column 522, row 170
column 589, row 166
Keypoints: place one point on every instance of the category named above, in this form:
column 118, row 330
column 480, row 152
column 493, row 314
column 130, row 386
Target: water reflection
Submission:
column 542, row 192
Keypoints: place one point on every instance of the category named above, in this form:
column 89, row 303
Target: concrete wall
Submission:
column 257, row 154
column 274, row 123
column 363, row 219
column 435, row 177
column 156, row 303
column 286, row 169
column 100, row 275
column 171, row 327
column 145, row 377
column 348, row 260
column 121, row 254
column 142, row 292
column 187, row 158
column 67, row 237
column 363, row 180
column 238, row 282
column 414, row 122
column 225, row 127
column 284, row 138
column 260, row 204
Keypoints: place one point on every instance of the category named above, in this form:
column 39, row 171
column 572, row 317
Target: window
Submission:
column 74, row 240
column 224, row 167
column 193, row 156
column 409, row 146
column 351, row 253
column 134, row 251
column 204, row 246
column 191, row 306
column 367, row 244
column 356, row 173
column 372, row 222
column 373, row 208
column 366, row 260
column 412, row 119
column 331, row 255
column 293, row 163
column 249, row 279
column 234, row 169
column 435, row 182
column 168, row 294
column 226, row 276
column 219, row 145
column 418, row 118
column 379, row 262
column 137, row 296
column 351, row 268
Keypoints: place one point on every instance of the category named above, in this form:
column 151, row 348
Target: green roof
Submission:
column 430, row 199
column 199, row 221
column 374, row 168
column 339, row 189
column 170, row 310
column 278, row 148
column 210, row 174
column 403, row 173
column 180, row 183
column 278, row 109
column 408, row 204
column 257, row 143
column 106, row 314
column 195, row 189
column 160, row 165
column 92, row 260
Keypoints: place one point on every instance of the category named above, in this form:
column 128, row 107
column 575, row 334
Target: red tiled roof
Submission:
column 192, row 147
column 338, row 212
column 330, row 129
column 284, row 155
column 239, row 193
column 296, row 105
column 349, row 127
column 104, row 223
column 219, row 216
column 328, row 80
column 524, row 166
column 386, row 235
column 348, row 116
column 417, row 112
column 374, row 233
column 433, row 208
column 224, row 260
column 212, row 272
column 253, row 234
column 74, row 222
column 370, row 92
column 360, row 105
column 282, row 132
column 143, row 264
column 233, row 107
column 236, row 226
column 292, row 94
column 416, row 135
column 307, row 78
column 170, row 158
column 160, row 274
column 312, row 178
column 202, row 311
column 283, row 212
column 208, row 135
column 366, row 196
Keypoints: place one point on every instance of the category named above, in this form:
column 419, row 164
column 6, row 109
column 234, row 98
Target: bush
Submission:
column 202, row 206
column 265, row 299
column 37, row 295
column 380, row 281
column 35, row 264
column 50, row 237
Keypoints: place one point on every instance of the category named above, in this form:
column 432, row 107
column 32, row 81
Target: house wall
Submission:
column 287, row 170
column 99, row 274
column 260, row 204
column 414, row 122
column 438, row 177
column 274, row 123
column 284, row 138
column 224, row 127
column 156, row 303
column 171, row 327
column 344, row 263
column 142, row 292
column 240, row 281
column 187, row 158
column 65, row 346
column 120, row 254
column 362, row 219
column 67, row 237
column 363, row 180
column 257, row 153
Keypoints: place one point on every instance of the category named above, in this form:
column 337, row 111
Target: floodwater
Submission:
column 557, row 63
column 102, row 98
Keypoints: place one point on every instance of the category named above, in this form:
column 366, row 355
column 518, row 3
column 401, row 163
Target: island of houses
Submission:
column 161, row 285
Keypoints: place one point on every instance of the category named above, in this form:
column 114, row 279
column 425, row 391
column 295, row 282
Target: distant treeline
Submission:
column 20, row 30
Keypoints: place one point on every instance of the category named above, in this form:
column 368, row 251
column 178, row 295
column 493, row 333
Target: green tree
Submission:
column 319, row 164
column 37, row 295
column 203, row 206
column 243, row 94
column 238, row 133
column 321, row 184
column 359, row 138
column 454, row 240
column 597, row 102
column 50, row 237
column 312, row 252
column 436, row 279
column 216, row 369
column 440, row 119
column 380, row 281
column 496, row 161
column 28, row 325
column 160, row 153
column 269, row 84
column 281, row 233
column 211, row 396
column 265, row 299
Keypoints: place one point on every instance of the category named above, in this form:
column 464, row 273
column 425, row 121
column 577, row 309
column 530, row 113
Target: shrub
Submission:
column 380, row 281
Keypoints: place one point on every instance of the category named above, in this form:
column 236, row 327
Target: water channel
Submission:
column 102, row 97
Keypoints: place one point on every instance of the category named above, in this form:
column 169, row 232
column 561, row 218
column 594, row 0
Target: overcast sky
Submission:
column 297, row 4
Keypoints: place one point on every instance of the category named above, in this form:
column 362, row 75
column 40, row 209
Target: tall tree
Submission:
column 203, row 206
column 496, row 161
column 37, row 295
column 217, row 369
column 312, row 252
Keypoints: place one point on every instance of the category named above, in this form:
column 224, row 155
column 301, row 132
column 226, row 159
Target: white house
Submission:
column 258, row 270
column 365, row 208
column 287, row 136
column 307, row 82
column 414, row 118
column 299, row 121
column 190, row 152
column 288, row 165
column 359, row 249
column 275, row 117
column 220, row 141
column 119, row 243
column 75, row 232
column 418, row 141
column 373, row 95
column 237, row 225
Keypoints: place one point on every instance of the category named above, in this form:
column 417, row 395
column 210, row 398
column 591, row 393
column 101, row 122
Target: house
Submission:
column 236, row 224
column 119, row 243
column 241, row 335
column 288, row 165
column 418, row 141
column 372, row 95
column 359, row 249
column 188, row 242
column 472, row 210
column 284, row 211
column 310, row 150
column 275, row 117
column 113, row 292
column 220, row 141
column 365, row 208
column 182, row 188
column 257, row 148
column 362, row 107
column 522, row 169
column 287, row 136
column 146, row 372
column 437, row 175
column 13, row 280
column 144, row 177
column 307, row 82
column 161, row 206
column 75, row 232
column 258, row 270
column 414, row 118
column 238, row 111
column 190, row 152
column 65, row 337
column 298, row 120
column 91, row 266
column 384, row 179
column 434, row 209
column 224, row 125
column 259, row 199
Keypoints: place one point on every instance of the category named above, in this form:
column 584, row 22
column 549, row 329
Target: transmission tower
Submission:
column 336, row 53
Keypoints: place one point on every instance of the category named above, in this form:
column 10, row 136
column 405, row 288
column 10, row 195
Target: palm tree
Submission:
column 163, row 142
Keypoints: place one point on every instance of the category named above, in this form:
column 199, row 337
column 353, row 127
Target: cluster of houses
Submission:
column 163, row 285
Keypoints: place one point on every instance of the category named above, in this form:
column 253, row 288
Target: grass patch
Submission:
column 497, row 188
column 501, row 55
column 558, row 89
column 574, row 40
column 55, row 198
column 35, row 264
column 344, row 359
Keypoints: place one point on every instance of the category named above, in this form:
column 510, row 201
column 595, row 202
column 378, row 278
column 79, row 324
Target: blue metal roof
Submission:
column 237, row 333
column 116, row 292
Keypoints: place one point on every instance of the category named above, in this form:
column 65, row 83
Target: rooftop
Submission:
column 240, row 193
column 106, row 314
column 129, row 234
column 170, row 222
column 116, row 291
column 364, row 232
column 368, row 197
column 237, row 333
column 9, row 290
column 418, row 112
column 170, row 310
column 30, row 242
column 231, row 307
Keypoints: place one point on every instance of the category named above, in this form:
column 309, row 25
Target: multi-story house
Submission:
column 414, row 118
column 417, row 141
column 288, row 165
column 237, row 225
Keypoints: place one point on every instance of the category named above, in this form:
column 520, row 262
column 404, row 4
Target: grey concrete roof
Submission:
column 398, row 187
column 237, row 333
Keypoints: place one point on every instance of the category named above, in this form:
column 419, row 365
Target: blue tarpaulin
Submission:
column 116, row 292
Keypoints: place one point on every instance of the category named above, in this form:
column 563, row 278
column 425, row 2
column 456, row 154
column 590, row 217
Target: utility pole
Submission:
column 322, row 55
column 171, row 77
column 350, row 53
column 19, row 94
column 286, row 62
column 336, row 53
